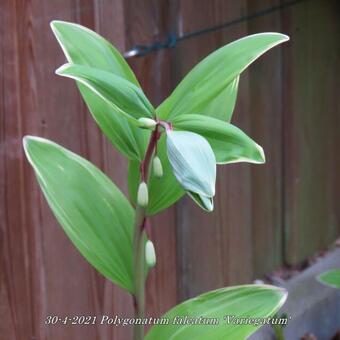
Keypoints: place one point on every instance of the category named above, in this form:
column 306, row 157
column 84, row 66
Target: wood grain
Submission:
column 44, row 274
column 209, row 244
column 311, row 124
column 265, row 115
column 265, row 215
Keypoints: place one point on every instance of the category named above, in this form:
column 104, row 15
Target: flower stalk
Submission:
column 140, row 237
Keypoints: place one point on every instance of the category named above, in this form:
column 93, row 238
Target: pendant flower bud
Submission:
column 143, row 195
column 157, row 167
column 147, row 123
column 150, row 254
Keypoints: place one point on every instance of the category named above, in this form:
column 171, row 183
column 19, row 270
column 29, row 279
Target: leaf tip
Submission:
column 284, row 294
column 262, row 156
column 284, row 297
column 62, row 70
column 281, row 291
column 27, row 145
column 54, row 24
column 210, row 207
column 282, row 37
column 285, row 37
column 26, row 140
column 206, row 203
column 57, row 24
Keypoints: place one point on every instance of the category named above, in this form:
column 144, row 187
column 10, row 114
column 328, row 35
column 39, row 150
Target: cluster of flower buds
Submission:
column 157, row 169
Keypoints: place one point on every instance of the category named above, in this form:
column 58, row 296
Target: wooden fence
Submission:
column 265, row 216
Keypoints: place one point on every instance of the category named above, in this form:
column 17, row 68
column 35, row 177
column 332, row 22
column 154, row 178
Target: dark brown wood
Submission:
column 42, row 272
column 265, row 214
column 264, row 111
column 209, row 245
column 311, row 125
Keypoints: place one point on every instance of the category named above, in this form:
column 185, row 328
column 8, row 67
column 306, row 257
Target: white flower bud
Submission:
column 143, row 195
column 147, row 123
column 157, row 167
column 150, row 254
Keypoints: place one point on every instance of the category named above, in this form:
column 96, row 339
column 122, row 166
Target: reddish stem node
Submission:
column 144, row 167
column 166, row 125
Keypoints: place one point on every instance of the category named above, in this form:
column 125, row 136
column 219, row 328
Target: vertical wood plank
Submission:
column 14, row 280
column 42, row 273
column 311, row 125
column 209, row 244
column 265, row 114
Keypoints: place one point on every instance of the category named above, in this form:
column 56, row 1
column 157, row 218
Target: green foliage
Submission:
column 193, row 164
column 205, row 82
column 164, row 191
column 228, row 142
column 249, row 301
column 222, row 106
column 330, row 278
column 186, row 136
column 85, row 47
column 93, row 212
column 125, row 97
column 116, row 101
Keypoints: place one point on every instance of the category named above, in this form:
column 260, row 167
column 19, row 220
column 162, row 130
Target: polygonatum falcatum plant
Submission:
column 172, row 150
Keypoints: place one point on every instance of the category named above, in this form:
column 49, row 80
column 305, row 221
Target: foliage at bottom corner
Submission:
column 330, row 278
column 226, row 313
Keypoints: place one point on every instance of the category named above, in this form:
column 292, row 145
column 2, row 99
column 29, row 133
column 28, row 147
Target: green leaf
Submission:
column 93, row 212
column 207, row 80
column 249, row 301
column 222, row 105
column 164, row 191
column 206, row 203
column 129, row 139
column 85, row 47
column 229, row 143
column 193, row 163
column 122, row 95
column 330, row 278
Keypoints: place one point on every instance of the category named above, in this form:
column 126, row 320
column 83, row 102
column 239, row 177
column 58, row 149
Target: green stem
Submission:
column 139, row 279
column 278, row 330
column 139, row 244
